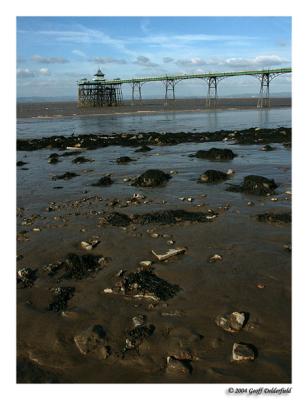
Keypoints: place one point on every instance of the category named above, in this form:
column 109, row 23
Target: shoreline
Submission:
column 52, row 110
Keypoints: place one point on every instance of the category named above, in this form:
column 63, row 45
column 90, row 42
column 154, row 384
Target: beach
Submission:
column 235, row 247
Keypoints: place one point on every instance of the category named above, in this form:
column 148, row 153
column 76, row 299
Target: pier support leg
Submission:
column 264, row 94
column 135, row 86
column 169, row 86
column 211, row 99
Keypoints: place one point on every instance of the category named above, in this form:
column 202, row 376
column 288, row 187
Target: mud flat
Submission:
column 175, row 281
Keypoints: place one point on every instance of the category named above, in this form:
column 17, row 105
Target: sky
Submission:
column 53, row 53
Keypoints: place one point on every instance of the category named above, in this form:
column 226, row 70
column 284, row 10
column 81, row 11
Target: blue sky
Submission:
column 54, row 52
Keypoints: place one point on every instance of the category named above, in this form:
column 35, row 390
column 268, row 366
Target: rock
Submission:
column 288, row 247
column 152, row 178
column 139, row 320
column 212, row 176
column 124, row 160
column 175, row 366
column 20, row 163
column 145, row 284
column 167, row 217
column 233, row 322
column 267, row 147
column 91, row 340
column 154, row 235
column 136, row 336
column 80, row 267
column 170, row 253
column 108, row 290
column 216, row 154
column 230, row 172
column 81, row 160
column 242, row 352
column 146, row 264
column 53, row 158
column 65, row 176
column 116, row 219
column 275, row 217
column 26, row 277
column 143, row 148
column 89, row 245
column 104, row 181
column 61, row 295
column 255, row 184
column 103, row 352
column 214, row 258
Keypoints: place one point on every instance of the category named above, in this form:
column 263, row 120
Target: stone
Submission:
column 216, row 154
column 255, row 184
column 61, row 295
column 152, row 178
column 26, row 277
column 90, row 340
column 124, row 160
column 233, row 322
column 242, row 352
column 175, row 366
column 139, row 320
column 170, row 253
column 20, row 163
column 267, row 147
column 214, row 258
column 143, row 148
column 53, row 158
column 212, row 176
column 146, row 263
column 136, row 336
column 104, row 181
column 275, row 217
column 65, row 176
column 81, row 160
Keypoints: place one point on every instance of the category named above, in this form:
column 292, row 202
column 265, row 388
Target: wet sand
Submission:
column 254, row 275
column 60, row 109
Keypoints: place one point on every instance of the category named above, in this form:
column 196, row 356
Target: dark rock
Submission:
column 267, row 147
column 65, row 176
column 80, row 267
column 213, row 176
column 175, row 366
column 61, row 295
column 216, row 154
column 26, row 277
column 255, row 184
column 276, row 218
column 136, row 336
column 124, row 160
column 143, row 148
column 116, row 219
column 53, row 158
column 139, row 320
column 92, row 340
column 172, row 217
column 152, row 178
column 148, row 285
column 104, row 181
column 287, row 145
column 243, row 352
column 81, row 160
column 20, row 163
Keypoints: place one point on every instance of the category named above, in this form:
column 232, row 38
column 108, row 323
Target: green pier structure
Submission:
column 100, row 92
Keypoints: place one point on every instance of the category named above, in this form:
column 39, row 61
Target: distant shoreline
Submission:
column 70, row 108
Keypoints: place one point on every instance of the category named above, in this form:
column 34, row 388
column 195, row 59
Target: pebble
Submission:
column 250, row 203
column 233, row 322
column 215, row 257
column 139, row 320
column 155, row 235
column 170, row 241
column 190, row 199
column 108, row 290
column 230, row 171
column 176, row 366
column 242, row 352
column 145, row 263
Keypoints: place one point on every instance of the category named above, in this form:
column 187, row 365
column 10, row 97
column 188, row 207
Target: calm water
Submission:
column 169, row 122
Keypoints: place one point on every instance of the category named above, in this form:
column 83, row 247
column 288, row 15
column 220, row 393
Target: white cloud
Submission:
column 44, row 72
column 49, row 60
column 167, row 59
column 259, row 61
column 192, row 62
column 24, row 73
column 79, row 53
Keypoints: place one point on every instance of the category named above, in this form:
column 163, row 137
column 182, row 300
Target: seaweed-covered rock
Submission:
column 148, row 285
column 152, row 178
column 26, row 277
column 81, row 160
column 80, row 267
column 212, row 176
column 61, row 296
column 267, row 147
column 216, row 154
column 173, row 216
column 143, row 149
column 53, row 158
column 136, row 336
column 65, row 176
column 20, row 163
column 255, row 184
column 275, row 217
column 116, row 219
column 92, row 340
column 104, row 181
column 124, row 160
